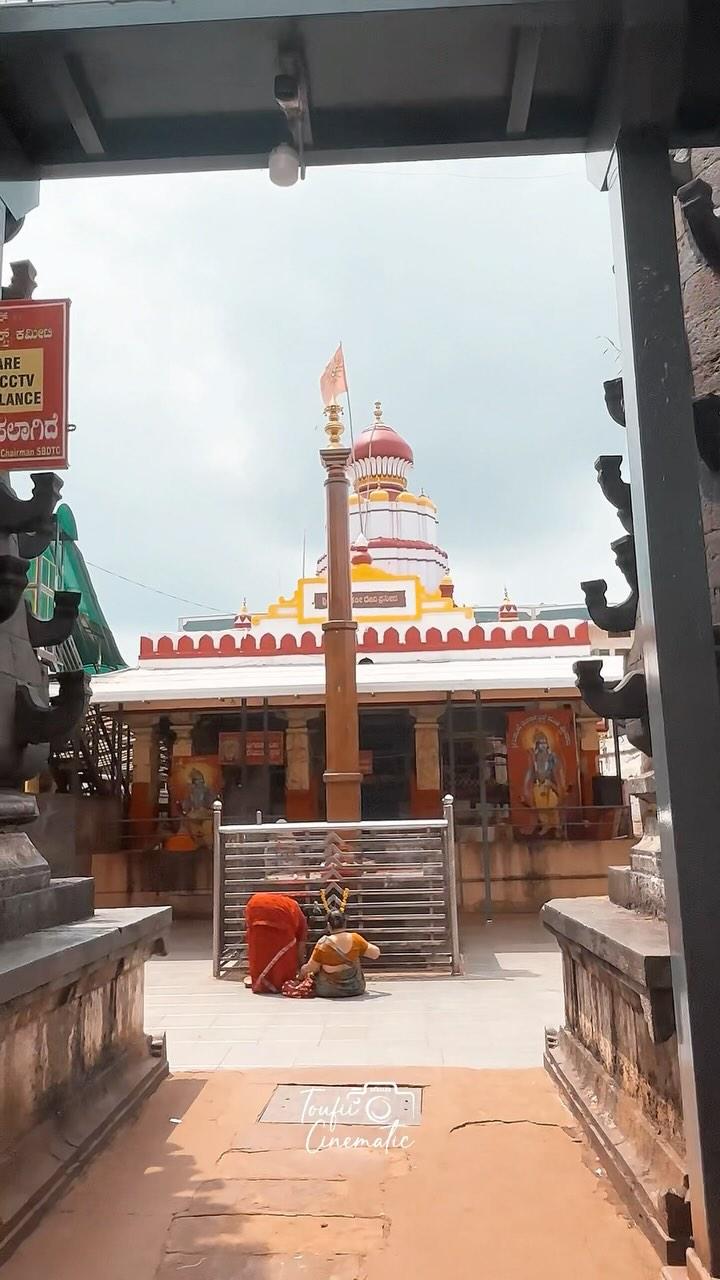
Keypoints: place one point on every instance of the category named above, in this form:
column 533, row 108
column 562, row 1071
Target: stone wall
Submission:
column 527, row 874
column 54, row 1040
column 701, row 304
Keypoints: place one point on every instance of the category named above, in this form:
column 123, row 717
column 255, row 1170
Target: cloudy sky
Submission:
column 475, row 299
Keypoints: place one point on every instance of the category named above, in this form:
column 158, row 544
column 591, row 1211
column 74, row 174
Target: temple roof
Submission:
column 200, row 683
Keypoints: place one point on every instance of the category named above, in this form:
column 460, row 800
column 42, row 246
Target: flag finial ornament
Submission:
column 334, row 425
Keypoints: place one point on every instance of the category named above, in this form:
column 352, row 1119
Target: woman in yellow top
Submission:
column 335, row 961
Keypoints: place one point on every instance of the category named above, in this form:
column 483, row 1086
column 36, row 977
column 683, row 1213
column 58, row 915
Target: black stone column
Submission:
column 677, row 639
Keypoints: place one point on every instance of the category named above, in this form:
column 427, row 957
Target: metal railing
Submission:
column 402, row 879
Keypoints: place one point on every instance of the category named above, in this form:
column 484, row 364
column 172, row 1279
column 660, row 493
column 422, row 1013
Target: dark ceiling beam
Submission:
column 74, row 97
column 98, row 14
column 527, row 49
column 638, row 90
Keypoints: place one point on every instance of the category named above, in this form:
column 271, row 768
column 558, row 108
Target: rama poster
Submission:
column 542, row 771
column 195, row 782
column 34, row 385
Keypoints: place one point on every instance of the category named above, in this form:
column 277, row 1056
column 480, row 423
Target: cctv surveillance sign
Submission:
column 33, row 385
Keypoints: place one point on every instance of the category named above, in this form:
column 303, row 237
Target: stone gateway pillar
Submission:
column 638, row 1055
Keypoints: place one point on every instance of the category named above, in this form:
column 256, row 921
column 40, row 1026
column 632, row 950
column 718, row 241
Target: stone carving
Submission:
column 23, row 281
column 38, row 720
column 620, row 700
column 696, row 203
column 614, row 488
column 29, row 721
column 615, row 400
column 13, row 581
column 706, row 412
column 26, row 516
column 55, row 630
column 615, row 618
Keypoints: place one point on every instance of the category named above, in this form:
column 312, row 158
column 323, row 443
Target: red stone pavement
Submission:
column 496, row 1184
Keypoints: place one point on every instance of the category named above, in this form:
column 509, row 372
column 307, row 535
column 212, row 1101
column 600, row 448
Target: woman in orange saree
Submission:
column 276, row 934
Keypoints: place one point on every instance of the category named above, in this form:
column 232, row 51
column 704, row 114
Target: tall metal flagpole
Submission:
column 350, row 424
column 347, row 393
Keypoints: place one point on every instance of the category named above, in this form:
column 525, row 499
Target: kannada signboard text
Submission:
column 33, row 385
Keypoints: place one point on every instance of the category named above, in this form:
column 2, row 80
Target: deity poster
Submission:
column 542, row 771
column 34, row 385
column 195, row 782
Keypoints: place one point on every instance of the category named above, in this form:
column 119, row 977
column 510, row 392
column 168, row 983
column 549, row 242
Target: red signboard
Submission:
column 33, row 385
column 258, row 748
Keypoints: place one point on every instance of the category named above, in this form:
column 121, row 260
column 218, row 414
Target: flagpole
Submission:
column 347, row 393
column 350, row 424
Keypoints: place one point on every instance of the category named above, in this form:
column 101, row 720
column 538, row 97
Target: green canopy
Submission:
column 62, row 567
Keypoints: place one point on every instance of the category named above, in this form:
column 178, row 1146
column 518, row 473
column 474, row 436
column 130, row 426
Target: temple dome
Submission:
column 380, row 457
column 381, row 441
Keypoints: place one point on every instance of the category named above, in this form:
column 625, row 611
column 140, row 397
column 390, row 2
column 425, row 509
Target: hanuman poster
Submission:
column 542, row 771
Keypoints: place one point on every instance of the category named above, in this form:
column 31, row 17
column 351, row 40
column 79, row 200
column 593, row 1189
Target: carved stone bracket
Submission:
column 624, row 700
column 696, row 202
column 706, row 411
column 27, row 516
column 615, row 618
column 44, row 633
column 614, row 488
column 13, row 581
column 615, row 400
column 35, row 722
column 33, row 544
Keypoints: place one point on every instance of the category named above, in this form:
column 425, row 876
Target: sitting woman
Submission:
column 335, row 961
column 276, row 938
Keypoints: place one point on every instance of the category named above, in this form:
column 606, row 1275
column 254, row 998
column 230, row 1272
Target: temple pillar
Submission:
column 425, row 792
column 589, row 746
column 182, row 727
column 299, row 798
column 144, row 789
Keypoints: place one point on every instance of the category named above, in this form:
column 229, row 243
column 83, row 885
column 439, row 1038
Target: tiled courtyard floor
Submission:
column 493, row 1016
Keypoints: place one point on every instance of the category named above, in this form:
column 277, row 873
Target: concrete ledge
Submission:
column 42, row 1165
column 635, row 946
column 57, row 903
column 644, row 1169
column 53, row 954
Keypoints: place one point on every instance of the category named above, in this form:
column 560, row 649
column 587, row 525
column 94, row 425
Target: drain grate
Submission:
column 378, row 1104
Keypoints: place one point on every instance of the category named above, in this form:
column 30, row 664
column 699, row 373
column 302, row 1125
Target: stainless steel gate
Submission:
column 401, row 877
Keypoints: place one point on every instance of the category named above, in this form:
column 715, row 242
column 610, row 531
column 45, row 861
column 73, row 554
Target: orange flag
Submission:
column 333, row 382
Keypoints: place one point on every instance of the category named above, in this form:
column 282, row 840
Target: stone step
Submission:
column 287, row 1196
column 263, row 1234
column 328, row 1165
column 228, row 1266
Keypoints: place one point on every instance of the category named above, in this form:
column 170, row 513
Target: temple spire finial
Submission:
column 378, row 411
